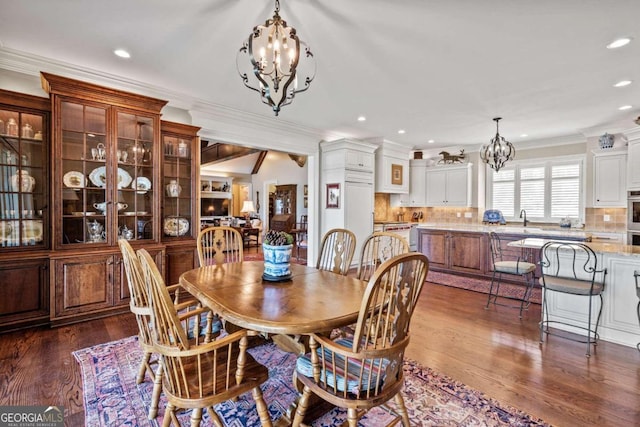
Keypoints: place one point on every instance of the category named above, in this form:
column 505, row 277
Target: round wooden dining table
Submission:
column 311, row 301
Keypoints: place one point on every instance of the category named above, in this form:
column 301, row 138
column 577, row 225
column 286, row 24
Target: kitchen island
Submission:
column 464, row 249
column 619, row 322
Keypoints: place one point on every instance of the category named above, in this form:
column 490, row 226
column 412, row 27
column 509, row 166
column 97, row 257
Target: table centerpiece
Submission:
column 277, row 247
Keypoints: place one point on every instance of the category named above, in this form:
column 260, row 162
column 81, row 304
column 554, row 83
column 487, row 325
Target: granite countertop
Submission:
column 602, row 248
column 574, row 234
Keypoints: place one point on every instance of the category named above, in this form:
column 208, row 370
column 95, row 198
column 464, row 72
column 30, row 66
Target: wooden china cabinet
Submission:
column 180, row 223
column 105, row 185
column 24, row 207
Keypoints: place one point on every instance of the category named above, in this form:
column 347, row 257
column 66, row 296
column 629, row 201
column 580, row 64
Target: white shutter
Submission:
column 532, row 191
column 565, row 191
column 503, row 195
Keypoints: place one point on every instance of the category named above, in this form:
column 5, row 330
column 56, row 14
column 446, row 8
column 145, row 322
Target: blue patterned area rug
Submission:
column 112, row 397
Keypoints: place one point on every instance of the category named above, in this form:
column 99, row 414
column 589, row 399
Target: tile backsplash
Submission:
column 594, row 217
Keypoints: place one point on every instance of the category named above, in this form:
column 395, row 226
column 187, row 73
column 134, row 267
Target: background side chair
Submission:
column 336, row 251
column 571, row 268
column 378, row 248
column 218, row 245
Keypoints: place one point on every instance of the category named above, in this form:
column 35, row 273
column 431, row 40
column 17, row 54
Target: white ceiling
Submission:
column 440, row 69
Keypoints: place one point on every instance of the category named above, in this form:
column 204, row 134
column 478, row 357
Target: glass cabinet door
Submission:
column 85, row 171
column 134, row 155
column 178, row 198
column 23, row 179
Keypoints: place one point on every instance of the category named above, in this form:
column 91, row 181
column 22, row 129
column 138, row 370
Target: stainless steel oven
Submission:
column 633, row 211
column 633, row 238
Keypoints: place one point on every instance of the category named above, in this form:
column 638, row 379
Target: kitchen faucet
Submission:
column 525, row 216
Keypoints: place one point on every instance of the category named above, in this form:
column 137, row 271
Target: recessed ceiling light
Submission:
column 362, row 118
column 626, row 107
column 401, row 131
column 431, row 141
column 122, row 53
column 622, row 83
column 623, row 41
column 524, row 135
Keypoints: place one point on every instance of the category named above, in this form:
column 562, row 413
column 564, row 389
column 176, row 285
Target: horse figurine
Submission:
column 451, row 158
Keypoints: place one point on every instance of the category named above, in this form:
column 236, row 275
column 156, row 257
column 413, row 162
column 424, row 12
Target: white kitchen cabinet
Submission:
column 416, row 197
column 633, row 161
column 356, row 188
column 392, row 167
column 449, row 186
column 609, row 179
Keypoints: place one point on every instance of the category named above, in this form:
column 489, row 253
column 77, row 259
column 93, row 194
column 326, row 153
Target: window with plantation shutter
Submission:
column 547, row 189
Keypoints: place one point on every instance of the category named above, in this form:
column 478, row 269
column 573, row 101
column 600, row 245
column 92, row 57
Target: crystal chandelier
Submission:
column 498, row 151
column 278, row 70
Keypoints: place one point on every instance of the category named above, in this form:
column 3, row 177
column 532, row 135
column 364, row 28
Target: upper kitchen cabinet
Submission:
column 392, row 167
column 609, row 179
column 24, row 172
column 105, row 162
column 417, row 186
column 350, row 157
column 633, row 159
column 449, row 185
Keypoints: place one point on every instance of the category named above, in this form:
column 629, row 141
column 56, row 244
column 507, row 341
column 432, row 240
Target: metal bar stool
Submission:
column 571, row 268
column 505, row 264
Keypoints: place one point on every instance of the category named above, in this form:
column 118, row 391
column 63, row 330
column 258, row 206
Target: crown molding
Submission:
column 217, row 121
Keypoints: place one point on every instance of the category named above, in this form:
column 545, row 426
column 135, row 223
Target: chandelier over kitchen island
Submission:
column 279, row 70
column 498, row 151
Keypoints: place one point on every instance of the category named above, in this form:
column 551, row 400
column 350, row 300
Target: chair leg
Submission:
column 196, row 417
column 169, row 413
column 144, row 365
column 215, row 419
column 493, row 278
column 352, row 417
column 261, row 406
column 402, row 409
column 544, row 317
column 529, row 280
column 157, row 389
column 302, row 407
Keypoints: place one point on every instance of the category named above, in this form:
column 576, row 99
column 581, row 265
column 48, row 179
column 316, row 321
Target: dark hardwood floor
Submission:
column 490, row 350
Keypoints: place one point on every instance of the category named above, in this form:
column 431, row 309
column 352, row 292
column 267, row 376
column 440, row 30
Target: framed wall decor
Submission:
column 306, row 190
column 333, row 196
column 306, row 202
column 396, row 174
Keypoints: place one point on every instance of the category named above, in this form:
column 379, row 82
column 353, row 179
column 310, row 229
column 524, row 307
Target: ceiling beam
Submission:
column 259, row 161
column 219, row 152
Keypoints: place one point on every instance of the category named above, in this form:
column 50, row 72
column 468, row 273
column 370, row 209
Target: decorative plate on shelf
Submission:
column 176, row 226
column 31, row 232
column 98, row 177
column 142, row 184
column 74, row 179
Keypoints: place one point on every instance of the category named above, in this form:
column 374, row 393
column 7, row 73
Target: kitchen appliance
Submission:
column 633, row 211
column 633, row 238
column 401, row 228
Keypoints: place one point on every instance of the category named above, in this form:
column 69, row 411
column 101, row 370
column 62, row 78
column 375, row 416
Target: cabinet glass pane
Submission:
column 22, row 179
column 134, row 157
column 177, row 187
column 85, row 173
